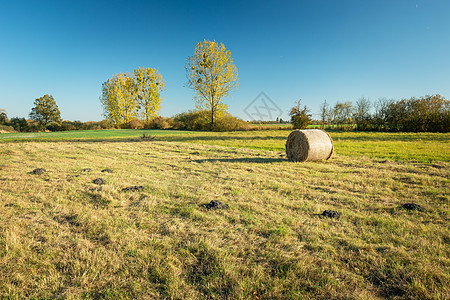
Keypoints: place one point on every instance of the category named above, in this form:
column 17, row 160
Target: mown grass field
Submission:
column 413, row 147
column 62, row 236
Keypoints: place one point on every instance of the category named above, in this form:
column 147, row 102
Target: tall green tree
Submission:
column 45, row 111
column 213, row 75
column 300, row 117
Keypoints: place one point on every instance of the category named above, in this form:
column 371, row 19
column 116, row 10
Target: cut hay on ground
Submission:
column 309, row 145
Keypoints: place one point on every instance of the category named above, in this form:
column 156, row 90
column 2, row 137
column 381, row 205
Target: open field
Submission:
column 62, row 236
column 411, row 147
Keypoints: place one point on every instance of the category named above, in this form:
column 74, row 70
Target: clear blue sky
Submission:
column 313, row 50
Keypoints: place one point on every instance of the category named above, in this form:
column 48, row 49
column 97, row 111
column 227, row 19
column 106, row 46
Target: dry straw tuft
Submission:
column 309, row 145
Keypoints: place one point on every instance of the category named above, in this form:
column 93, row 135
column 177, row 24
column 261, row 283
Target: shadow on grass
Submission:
column 257, row 160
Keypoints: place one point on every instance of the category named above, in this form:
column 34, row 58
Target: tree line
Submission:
column 427, row 113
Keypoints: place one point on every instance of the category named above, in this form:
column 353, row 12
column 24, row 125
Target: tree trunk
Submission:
column 212, row 119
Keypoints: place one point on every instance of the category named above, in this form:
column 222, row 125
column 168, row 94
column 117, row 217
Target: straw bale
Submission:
column 309, row 145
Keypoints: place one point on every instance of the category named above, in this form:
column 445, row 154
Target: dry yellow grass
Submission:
column 63, row 237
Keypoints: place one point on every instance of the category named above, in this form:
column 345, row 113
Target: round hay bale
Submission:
column 309, row 145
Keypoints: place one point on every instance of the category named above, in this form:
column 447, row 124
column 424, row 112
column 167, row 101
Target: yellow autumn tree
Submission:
column 109, row 102
column 119, row 99
column 212, row 74
column 148, row 84
column 127, row 96
column 45, row 111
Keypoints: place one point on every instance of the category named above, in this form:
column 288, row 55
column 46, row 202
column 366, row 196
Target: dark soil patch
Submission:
column 71, row 219
column 133, row 188
column 331, row 214
column 216, row 204
column 38, row 171
column 98, row 201
column 107, row 171
column 437, row 166
column 412, row 206
column 99, row 181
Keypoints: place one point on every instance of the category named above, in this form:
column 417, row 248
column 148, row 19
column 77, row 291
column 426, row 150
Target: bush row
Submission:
column 200, row 120
column 24, row 125
column 191, row 120
column 424, row 114
column 430, row 113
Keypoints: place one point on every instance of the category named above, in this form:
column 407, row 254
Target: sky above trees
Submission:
column 313, row 50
